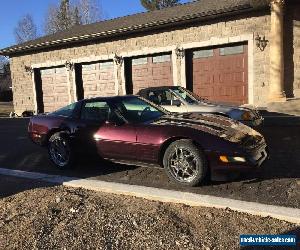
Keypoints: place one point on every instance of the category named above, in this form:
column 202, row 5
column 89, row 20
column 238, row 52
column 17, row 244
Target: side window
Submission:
column 95, row 111
column 162, row 97
column 152, row 96
column 66, row 111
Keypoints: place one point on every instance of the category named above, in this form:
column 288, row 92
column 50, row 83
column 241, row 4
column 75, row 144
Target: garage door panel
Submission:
column 161, row 72
column 206, row 92
column 204, row 78
column 151, row 71
column 239, row 77
column 104, row 76
column 223, row 76
column 98, row 79
column 61, row 90
column 62, row 99
column 141, row 72
column 54, row 88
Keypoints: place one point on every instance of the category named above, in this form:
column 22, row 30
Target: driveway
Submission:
column 6, row 108
column 278, row 182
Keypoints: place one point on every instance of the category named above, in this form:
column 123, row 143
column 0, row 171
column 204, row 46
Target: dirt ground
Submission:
column 65, row 218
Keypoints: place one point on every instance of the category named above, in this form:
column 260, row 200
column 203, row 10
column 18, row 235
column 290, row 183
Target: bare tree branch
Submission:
column 67, row 15
column 26, row 29
column 90, row 11
column 158, row 4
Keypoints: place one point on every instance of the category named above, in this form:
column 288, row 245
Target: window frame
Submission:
column 93, row 101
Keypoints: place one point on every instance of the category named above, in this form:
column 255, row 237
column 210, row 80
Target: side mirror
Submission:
column 176, row 103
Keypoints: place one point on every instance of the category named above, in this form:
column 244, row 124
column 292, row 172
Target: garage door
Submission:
column 221, row 74
column 98, row 79
column 54, row 88
column 151, row 71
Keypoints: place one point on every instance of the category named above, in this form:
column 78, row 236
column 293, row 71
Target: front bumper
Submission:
column 254, row 161
column 37, row 138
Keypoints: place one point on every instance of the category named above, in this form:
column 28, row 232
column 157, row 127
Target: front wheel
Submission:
column 60, row 150
column 185, row 163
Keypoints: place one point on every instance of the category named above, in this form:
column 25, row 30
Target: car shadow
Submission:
column 10, row 185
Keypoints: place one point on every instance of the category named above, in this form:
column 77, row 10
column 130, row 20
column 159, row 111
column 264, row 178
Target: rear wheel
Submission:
column 60, row 150
column 185, row 163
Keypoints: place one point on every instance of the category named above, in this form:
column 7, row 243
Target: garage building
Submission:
column 237, row 51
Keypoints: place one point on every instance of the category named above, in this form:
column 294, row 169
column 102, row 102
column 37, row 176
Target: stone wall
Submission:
column 226, row 29
column 296, row 43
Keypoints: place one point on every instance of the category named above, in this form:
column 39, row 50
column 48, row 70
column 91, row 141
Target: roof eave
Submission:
column 132, row 29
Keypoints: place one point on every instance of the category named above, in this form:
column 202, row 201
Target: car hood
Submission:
column 220, row 126
column 217, row 108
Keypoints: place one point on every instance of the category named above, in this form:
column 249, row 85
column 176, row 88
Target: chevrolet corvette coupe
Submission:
column 180, row 100
column 131, row 130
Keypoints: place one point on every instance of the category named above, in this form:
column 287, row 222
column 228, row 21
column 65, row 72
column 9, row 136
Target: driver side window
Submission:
column 162, row 97
column 95, row 111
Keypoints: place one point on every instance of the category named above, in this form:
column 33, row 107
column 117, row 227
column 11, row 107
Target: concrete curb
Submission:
column 282, row 213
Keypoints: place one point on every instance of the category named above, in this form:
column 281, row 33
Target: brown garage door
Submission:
column 54, row 88
column 151, row 71
column 98, row 79
column 221, row 74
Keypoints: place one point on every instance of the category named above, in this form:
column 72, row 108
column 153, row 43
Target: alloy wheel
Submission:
column 183, row 165
column 59, row 151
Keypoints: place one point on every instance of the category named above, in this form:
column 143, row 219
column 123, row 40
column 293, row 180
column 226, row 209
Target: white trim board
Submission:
column 291, row 215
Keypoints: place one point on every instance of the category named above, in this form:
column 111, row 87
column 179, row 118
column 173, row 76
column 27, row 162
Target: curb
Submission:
column 291, row 215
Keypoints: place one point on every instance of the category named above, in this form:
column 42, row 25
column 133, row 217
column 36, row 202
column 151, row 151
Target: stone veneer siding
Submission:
column 211, row 31
column 296, row 48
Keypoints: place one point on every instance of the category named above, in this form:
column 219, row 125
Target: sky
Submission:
column 13, row 10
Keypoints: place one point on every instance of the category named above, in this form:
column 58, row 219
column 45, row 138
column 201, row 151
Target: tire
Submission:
column 185, row 163
column 60, row 151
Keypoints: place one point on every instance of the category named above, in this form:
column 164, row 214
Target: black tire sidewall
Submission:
column 202, row 169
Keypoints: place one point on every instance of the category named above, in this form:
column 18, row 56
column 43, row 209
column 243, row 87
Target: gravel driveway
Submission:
column 64, row 218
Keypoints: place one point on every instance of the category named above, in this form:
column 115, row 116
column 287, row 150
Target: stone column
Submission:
column 180, row 72
column 119, row 72
column 276, row 91
column 71, row 80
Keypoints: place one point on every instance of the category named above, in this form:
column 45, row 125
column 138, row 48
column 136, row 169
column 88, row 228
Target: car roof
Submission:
column 145, row 90
column 106, row 98
column 160, row 87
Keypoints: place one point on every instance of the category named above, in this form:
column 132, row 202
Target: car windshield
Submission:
column 138, row 110
column 186, row 95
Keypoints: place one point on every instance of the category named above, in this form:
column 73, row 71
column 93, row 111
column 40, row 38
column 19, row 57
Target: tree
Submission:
column 66, row 15
column 25, row 30
column 3, row 64
column 158, row 4
column 90, row 11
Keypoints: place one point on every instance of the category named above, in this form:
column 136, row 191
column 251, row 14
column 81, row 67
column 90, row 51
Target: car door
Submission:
column 92, row 117
column 116, row 141
column 97, row 132
column 148, row 143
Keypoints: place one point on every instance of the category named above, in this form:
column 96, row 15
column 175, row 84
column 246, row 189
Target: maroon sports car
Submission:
column 132, row 130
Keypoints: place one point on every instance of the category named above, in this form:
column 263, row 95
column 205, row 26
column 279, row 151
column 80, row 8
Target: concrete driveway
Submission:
column 277, row 183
